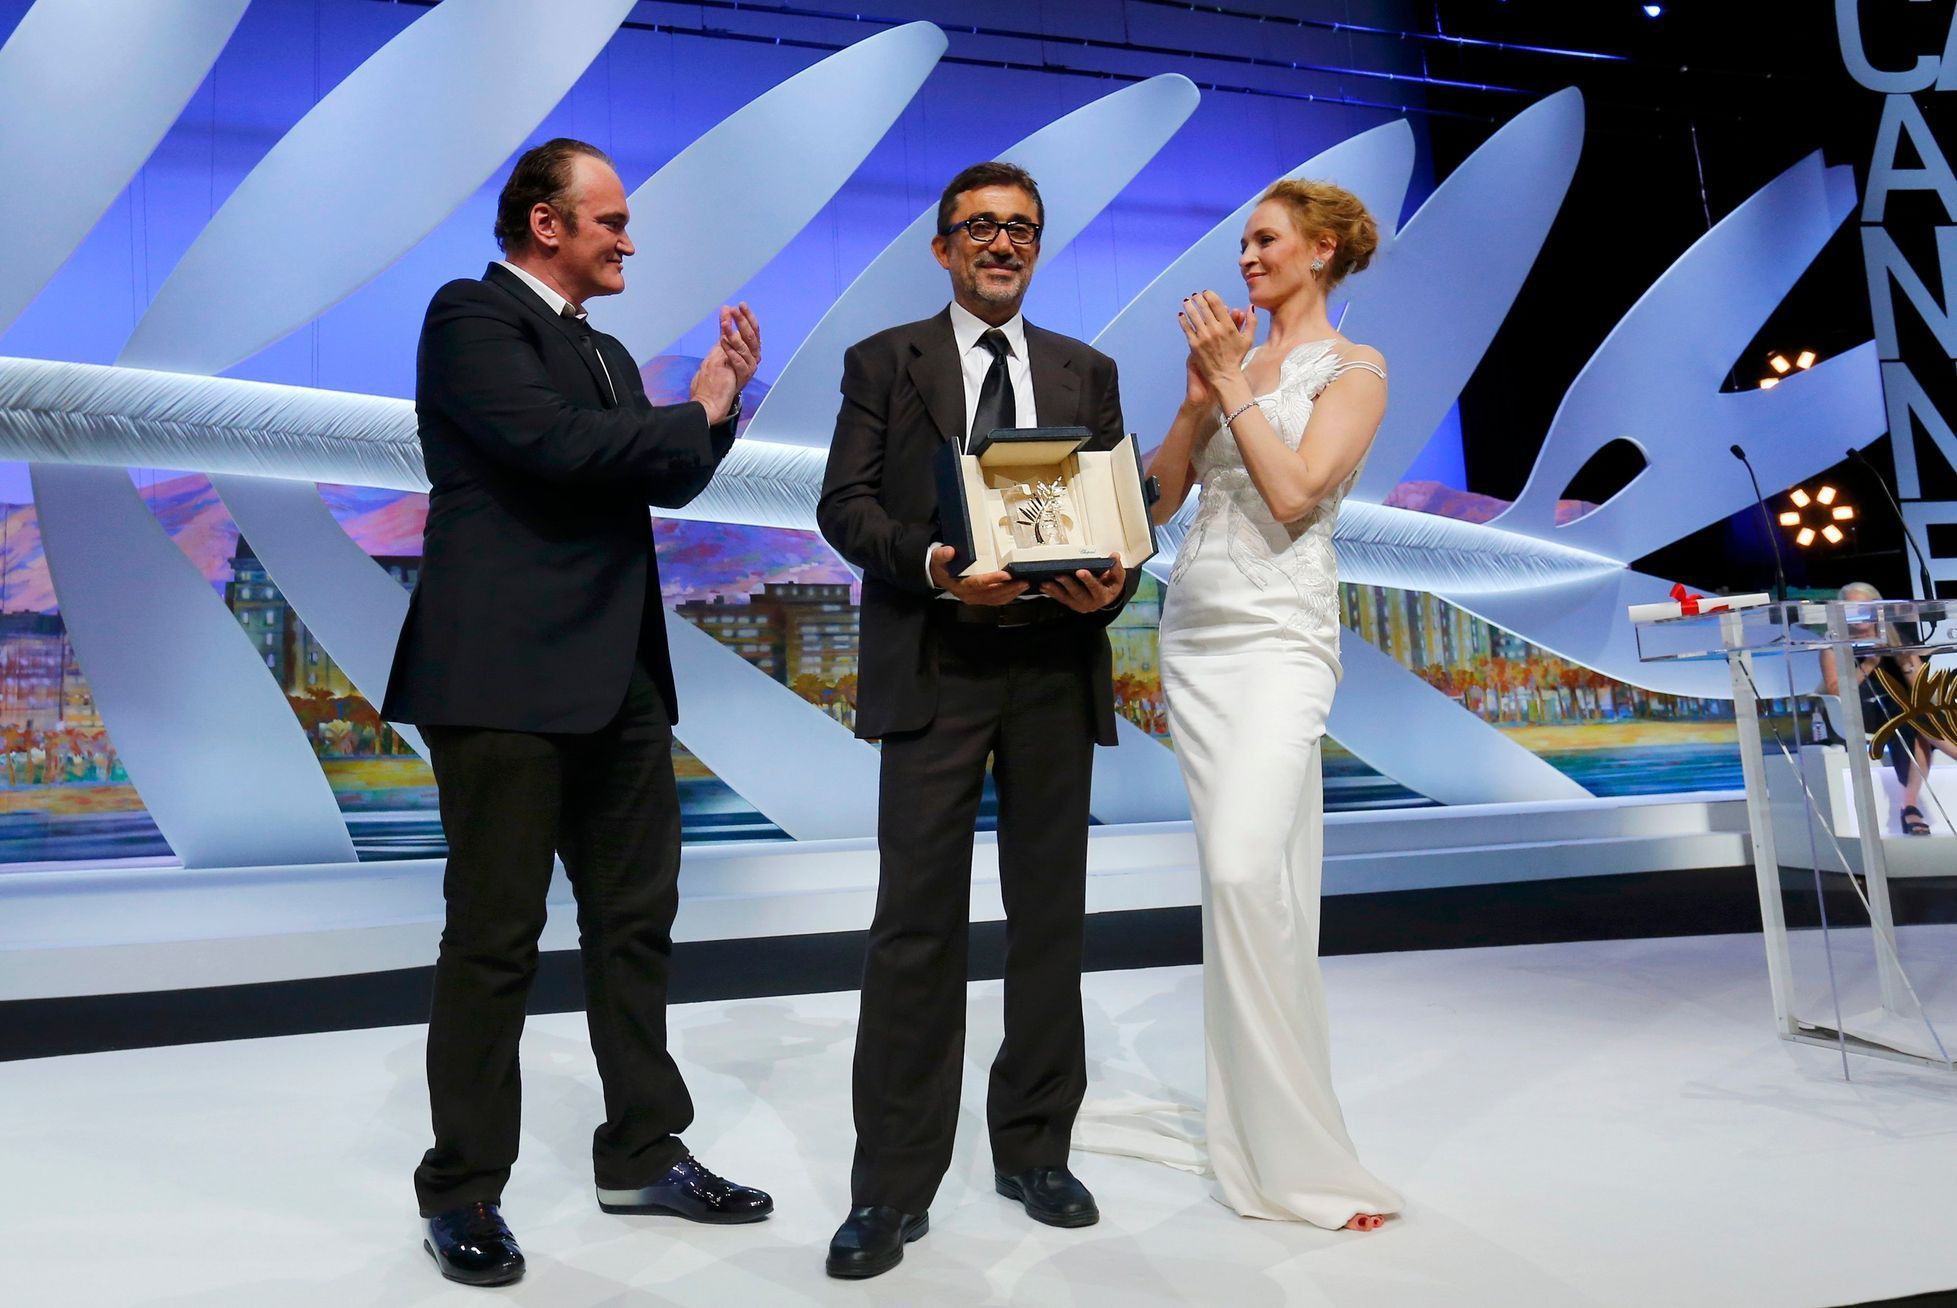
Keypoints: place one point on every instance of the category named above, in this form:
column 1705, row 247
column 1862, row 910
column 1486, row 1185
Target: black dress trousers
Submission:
column 606, row 802
column 1020, row 695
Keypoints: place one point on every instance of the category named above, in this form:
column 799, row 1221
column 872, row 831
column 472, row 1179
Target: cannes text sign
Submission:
column 1907, row 249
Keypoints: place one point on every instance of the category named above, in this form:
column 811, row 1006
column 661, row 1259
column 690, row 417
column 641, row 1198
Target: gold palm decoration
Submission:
column 1929, row 704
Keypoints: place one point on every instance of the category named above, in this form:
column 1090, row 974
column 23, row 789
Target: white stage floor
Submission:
column 1606, row 1123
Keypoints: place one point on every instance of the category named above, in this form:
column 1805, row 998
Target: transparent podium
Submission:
column 1855, row 899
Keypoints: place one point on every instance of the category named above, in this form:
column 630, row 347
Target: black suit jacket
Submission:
column 904, row 397
column 538, row 584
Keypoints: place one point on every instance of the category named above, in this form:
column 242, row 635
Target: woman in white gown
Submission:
column 1250, row 658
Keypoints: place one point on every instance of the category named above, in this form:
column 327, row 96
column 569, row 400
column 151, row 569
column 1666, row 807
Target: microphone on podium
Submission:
column 1922, row 563
column 1766, row 520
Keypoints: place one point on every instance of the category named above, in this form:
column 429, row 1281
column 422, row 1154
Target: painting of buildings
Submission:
column 802, row 634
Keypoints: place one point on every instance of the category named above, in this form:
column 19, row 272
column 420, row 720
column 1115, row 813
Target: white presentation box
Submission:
column 1035, row 502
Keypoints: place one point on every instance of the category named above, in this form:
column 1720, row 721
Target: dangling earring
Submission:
column 1317, row 266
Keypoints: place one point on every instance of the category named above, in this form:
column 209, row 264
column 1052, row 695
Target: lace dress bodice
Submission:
column 1294, row 559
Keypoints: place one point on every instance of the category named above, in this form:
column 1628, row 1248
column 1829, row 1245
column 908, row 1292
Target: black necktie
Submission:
column 995, row 400
column 582, row 326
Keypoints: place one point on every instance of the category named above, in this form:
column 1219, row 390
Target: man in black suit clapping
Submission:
column 534, row 659
column 956, row 669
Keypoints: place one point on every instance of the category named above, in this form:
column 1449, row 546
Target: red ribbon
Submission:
column 1688, row 603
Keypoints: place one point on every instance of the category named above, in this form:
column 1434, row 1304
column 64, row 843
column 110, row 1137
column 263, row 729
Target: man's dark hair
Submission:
column 542, row 176
column 994, row 173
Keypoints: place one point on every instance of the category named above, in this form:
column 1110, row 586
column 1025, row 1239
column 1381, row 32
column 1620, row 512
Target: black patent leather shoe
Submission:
column 871, row 1241
column 689, row 1190
column 1052, row 1195
column 473, row 1245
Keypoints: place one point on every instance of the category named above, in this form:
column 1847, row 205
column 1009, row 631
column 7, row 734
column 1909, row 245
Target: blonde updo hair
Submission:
column 1322, row 209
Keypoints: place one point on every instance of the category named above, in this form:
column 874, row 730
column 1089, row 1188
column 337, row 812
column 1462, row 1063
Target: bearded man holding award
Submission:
column 957, row 669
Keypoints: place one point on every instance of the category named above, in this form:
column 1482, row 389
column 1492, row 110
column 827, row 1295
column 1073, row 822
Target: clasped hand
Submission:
column 1083, row 592
column 730, row 365
column 1219, row 338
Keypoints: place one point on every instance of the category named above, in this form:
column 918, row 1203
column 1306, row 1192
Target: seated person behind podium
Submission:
column 534, row 659
column 1909, row 750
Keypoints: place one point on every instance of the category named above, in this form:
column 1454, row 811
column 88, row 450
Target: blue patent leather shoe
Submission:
column 689, row 1190
column 473, row 1245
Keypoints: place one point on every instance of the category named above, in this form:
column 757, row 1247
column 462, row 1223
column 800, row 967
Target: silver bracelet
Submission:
column 1239, row 412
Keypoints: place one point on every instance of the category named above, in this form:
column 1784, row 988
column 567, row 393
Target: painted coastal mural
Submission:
column 782, row 601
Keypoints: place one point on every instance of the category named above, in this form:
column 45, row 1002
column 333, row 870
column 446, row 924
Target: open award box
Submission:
column 1036, row 503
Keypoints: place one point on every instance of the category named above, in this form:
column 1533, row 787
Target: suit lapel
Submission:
column 618, row 361
column 939, row 376
column 1056, row 386
column 580, row 336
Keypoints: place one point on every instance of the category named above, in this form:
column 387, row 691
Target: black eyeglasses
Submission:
column 984, row 231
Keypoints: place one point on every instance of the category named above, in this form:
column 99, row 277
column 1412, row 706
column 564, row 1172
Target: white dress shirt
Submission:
column 557, row 304
column 975, row 361
column 966, row 328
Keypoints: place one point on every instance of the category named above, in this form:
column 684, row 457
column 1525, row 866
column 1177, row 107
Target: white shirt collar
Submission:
column 967, row 327
column 552, row 300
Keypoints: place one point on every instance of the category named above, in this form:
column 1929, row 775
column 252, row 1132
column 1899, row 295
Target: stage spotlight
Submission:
column 1826, row 499
column 1779, row 366
column 1653, row 11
